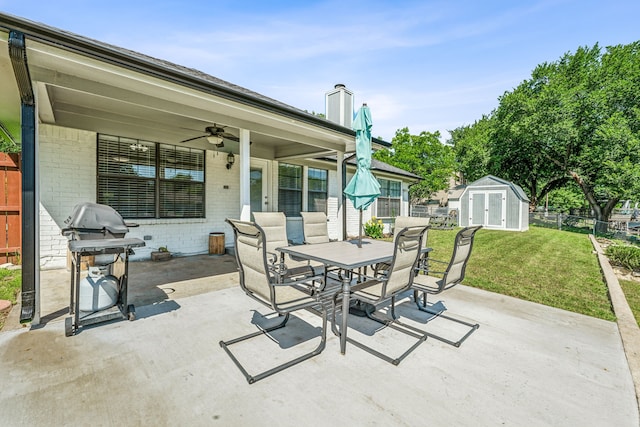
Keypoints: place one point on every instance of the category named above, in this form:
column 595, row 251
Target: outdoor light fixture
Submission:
column 231, row 159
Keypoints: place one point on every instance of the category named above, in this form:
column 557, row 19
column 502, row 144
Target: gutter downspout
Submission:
column 344, row 198
column 18, row 55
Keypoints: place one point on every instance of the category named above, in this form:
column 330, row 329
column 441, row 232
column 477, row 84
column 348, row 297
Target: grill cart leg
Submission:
column 130, row 312
column 68, row 327
column 71, row 323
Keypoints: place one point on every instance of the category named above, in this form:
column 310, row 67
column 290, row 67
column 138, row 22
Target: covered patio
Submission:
column 171, row 148
column 528, row 364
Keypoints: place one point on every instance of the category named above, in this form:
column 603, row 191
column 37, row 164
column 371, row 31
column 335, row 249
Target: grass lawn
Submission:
column 10, row 282
column 631, row 290
column 551, row 267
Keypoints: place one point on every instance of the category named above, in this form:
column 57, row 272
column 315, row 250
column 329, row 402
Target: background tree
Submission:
column 522, row 120
column 566, row 199
column 423, row 155
column 471, row 145
column 575, row 120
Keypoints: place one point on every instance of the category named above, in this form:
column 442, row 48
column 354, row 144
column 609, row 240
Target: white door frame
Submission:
column 265, row 165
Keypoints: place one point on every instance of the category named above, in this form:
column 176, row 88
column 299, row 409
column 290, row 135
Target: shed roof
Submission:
column 491, row 180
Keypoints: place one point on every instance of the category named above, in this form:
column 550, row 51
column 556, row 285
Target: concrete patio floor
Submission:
column 527, row 364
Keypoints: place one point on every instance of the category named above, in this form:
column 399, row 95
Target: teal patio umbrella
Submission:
column 363, row 189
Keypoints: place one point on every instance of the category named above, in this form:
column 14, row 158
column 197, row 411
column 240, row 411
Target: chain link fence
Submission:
column 615, row 229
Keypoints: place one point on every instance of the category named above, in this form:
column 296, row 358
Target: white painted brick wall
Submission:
column 67, row 160
column 67, row 176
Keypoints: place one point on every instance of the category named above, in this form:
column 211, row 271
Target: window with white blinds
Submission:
column 142, row 179
column 290, row 189
column 388, row 203
column 317, row 191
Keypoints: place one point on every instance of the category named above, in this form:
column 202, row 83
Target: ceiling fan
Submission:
column 215, row 135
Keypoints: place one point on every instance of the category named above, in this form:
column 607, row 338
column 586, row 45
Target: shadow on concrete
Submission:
column 155, row 309
column 295, row 332
column 179, row 269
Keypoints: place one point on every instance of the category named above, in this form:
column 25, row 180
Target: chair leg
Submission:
column 423, row 306
column 257, row 377
column 393, row 324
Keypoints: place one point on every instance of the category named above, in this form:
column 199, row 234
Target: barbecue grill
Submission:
column 93, row 230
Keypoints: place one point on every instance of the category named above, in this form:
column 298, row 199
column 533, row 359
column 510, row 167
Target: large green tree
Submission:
column 576, row 119
column 524, row 118
column 423, row 155
column 471, row 145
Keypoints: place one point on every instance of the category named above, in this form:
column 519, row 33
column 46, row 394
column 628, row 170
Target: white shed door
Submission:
column 488, row 208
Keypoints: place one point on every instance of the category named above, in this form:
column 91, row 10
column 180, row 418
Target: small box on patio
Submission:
column 87, row 261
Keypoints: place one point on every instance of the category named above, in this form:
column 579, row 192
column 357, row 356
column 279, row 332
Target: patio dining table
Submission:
column 347, row 256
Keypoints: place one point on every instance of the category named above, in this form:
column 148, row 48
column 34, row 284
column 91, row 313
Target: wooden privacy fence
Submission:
column 10, row 208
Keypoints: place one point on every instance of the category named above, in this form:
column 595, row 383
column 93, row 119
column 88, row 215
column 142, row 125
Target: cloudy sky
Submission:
column 426, row 65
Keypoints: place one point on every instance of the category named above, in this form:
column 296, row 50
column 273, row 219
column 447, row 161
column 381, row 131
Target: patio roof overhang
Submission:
column 89, row 85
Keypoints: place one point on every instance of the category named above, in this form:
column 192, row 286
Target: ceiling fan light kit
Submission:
column 216, row 140
column 215, row 135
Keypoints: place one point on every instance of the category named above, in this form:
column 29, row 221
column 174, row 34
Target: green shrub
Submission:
column 374, row 228
column 10, row 283
column 624, row 256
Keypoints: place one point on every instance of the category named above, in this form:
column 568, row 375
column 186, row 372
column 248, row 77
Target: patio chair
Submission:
column 376, row 291
column 314, row 227
column 431, row 281
column 274, row 225
column 261, row 279
column 403, row 222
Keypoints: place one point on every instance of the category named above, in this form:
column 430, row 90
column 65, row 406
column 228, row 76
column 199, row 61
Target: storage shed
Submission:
column 493, row 203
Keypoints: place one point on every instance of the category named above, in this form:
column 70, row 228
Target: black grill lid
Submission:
column 93, row 217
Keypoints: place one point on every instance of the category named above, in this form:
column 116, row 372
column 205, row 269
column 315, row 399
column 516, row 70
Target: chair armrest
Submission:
column 380, row 269
column 278, row 268
column 295, row 258
column 371, row 281
column 429, row 272
column 424, row 266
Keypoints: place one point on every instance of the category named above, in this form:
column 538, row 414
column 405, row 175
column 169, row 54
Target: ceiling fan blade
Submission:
column 230, row 136
column 194, row 138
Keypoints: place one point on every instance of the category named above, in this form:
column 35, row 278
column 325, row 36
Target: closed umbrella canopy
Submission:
column 363, row 189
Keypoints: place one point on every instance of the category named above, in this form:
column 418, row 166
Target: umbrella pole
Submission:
column 360, row 230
